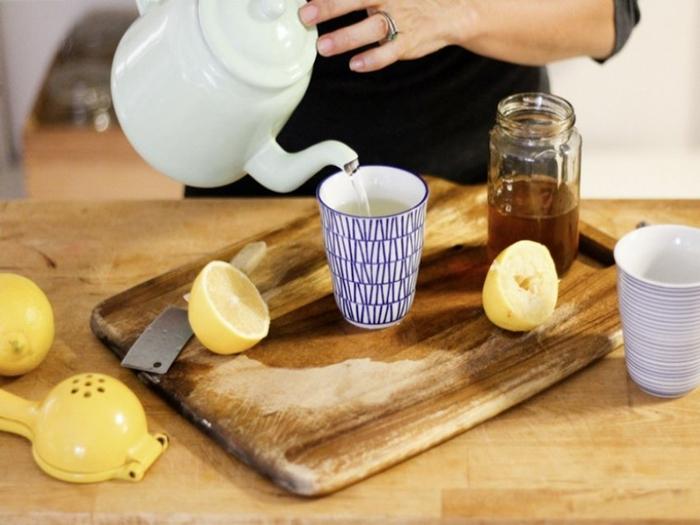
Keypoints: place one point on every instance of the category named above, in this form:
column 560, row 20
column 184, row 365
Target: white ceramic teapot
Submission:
column 202, row 88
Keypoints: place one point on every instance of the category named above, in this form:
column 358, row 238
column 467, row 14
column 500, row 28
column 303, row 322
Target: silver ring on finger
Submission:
column 392, row 31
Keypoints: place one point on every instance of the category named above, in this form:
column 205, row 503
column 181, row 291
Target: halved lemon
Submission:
column 522, row 287
column 226, row 311
column 26, row 325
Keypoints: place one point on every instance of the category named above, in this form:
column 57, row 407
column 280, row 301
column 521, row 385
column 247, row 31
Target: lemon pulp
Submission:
column 226, row 311
column 521, row 287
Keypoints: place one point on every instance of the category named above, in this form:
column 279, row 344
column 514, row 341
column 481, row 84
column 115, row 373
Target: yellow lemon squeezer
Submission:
column 89, row 428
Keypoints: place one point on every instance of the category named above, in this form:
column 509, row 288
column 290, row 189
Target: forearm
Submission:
column 531, row 32
column 535, row 32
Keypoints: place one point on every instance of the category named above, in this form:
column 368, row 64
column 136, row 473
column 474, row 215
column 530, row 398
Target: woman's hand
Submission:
column 529, row 32
column 424, row 26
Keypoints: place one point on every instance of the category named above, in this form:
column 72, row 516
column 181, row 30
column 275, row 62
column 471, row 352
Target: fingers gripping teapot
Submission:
column 202, row 88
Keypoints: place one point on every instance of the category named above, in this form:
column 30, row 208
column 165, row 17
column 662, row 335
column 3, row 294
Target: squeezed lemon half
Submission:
column 226, row 311
column 522, row 287
column 26, row 325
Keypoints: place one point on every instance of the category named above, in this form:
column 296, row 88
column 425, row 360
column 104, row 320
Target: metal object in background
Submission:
column 77, row 87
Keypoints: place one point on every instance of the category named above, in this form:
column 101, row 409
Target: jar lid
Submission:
column 262, row 42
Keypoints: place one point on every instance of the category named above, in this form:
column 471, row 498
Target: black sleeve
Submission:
column 627, row 16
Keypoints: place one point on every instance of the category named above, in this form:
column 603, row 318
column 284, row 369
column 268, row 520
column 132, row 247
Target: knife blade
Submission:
column 160, row 343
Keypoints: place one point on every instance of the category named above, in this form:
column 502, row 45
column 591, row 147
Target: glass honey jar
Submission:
column 534, row 176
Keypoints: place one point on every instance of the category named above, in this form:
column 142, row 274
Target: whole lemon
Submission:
column 26, row 325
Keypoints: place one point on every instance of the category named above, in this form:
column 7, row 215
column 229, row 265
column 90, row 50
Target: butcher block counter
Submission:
column 593, row 447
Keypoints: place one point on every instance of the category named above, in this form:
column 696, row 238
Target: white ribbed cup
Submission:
column 658, row 283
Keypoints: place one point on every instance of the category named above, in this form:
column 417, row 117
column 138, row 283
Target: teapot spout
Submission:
column 282, row 172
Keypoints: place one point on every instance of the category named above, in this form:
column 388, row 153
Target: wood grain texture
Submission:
column 595, row 449
column 319, row 404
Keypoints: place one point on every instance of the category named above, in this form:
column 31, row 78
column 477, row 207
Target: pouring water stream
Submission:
column 358, row 188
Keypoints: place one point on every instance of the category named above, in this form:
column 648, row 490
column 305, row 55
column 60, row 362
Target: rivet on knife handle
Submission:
column 160, row 343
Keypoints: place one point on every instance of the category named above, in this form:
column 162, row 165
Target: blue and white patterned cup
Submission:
column 374, row 261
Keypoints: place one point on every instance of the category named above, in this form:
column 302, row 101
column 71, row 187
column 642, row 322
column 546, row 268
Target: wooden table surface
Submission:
column 594, row 447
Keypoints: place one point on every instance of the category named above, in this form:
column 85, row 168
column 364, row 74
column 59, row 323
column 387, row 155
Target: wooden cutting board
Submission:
column 320, row 404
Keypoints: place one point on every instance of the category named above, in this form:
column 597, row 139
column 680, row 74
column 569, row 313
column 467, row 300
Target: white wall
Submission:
column 639, row 114
column 647, row 95
column 32, row 31
column 4, row 126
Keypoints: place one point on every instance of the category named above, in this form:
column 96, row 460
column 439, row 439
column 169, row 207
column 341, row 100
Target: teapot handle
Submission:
column 143, row 5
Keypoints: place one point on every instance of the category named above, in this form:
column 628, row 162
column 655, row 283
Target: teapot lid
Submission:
column 260, row 41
